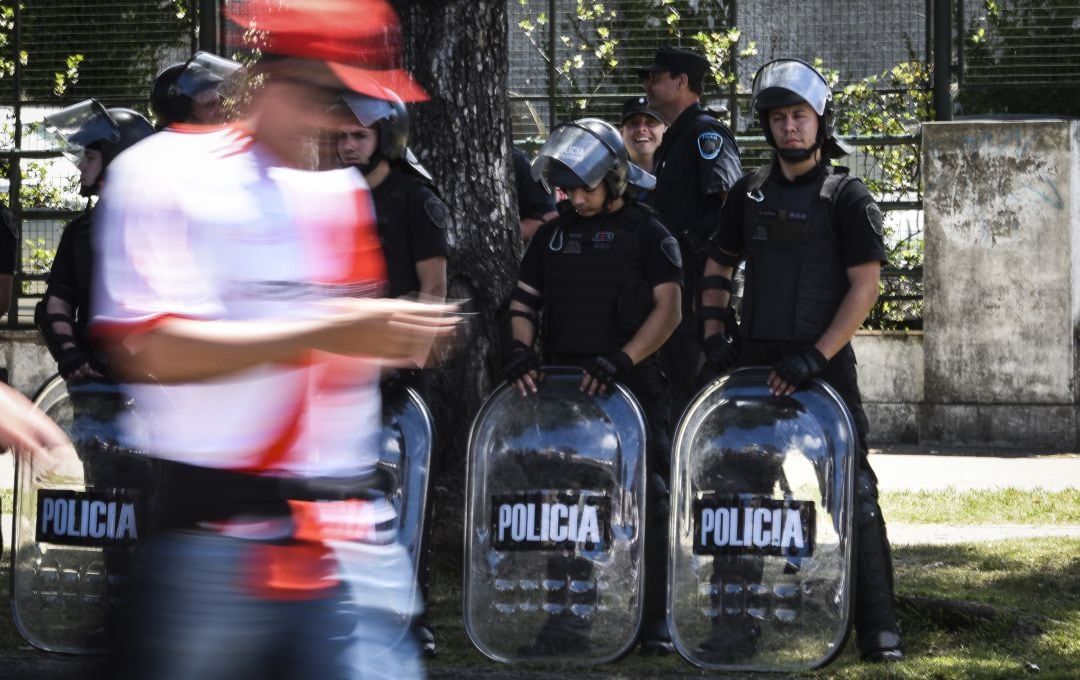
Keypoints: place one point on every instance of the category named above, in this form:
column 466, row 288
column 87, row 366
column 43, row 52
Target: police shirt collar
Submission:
column 811, row 175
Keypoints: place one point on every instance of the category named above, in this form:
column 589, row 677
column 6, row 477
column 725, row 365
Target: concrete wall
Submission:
column 1001, row 280
column 891, row 380
column 27, row 361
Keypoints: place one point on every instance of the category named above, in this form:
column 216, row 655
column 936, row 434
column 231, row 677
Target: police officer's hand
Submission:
column 722, row 351
column 602, row 373
column 795, row 369
column 521, row 365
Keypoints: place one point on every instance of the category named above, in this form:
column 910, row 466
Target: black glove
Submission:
column 797, row 368
column 71, row 360
column 610, row 369
column 520, row 360
column 722, row 351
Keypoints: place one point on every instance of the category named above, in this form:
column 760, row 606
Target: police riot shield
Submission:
column 78, row 515
column 761, row 533
column 407, row 440
column 554, row 525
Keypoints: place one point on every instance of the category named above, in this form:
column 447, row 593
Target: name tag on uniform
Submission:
column 781, row 226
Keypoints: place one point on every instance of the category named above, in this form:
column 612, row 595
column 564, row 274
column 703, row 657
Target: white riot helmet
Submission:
column 786, row 82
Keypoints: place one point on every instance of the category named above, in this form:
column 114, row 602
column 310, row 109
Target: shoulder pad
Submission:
column 836, row 179
column 757, row 178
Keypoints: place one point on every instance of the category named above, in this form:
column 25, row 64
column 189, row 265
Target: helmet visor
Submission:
column 793, row 77
column 205, row 71
column 80, row 125
column 581, row 151
column 368, row 110
column 640, row 178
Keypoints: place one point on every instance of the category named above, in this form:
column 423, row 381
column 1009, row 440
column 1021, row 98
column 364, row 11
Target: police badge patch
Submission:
column 875, row 218
column 436, row 211
column 709, row 144
column 671, row 249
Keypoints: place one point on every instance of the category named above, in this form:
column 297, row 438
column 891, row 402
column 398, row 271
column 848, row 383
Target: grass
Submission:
column 1032, row 585
column 1004, row 506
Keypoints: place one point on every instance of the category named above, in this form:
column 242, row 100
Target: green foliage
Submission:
column 77, row 49
column 596, row 45
column 892, row 104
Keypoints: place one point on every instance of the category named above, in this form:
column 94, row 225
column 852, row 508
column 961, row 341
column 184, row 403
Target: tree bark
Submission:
column 457, row 49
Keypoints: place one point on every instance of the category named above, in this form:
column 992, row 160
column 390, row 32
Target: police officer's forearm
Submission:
column 715, row 297
column 522, row 329
column 854, row 308
column 432, row 275
column 659, row 325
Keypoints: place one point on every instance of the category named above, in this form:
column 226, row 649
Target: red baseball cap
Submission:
column 358, row 40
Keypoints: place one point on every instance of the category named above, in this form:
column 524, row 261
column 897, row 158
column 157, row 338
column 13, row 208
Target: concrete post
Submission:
column 1002, row 282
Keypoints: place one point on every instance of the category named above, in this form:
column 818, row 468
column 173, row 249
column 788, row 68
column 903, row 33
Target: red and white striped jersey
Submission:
column 209, row 226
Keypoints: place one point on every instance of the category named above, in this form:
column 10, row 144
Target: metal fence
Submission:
column 571, row 58
column 1017, row 57
column 568, row 58
column 54, row 54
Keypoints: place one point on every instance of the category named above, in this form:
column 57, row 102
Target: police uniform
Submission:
column 533, row 200
column 412, row 222
column 70, row 280
column 596, row 276
column 798, row 239
column 9, row 243
column 696, row 164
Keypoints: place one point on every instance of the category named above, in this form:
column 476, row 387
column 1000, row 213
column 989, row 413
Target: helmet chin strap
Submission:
column 798, row 155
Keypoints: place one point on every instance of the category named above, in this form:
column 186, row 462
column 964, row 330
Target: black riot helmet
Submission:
column 176, row 87
column 786, row 82
column 583, row 154
column 89, row 125
column 389, row 116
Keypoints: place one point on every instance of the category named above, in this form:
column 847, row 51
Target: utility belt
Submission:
column 189, row 496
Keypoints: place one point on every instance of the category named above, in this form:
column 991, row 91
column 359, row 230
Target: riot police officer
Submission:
column 607, row 277
column 9, row 241
column 190, row 92
column 695, row 166
column 95, row 136
column 811, row 237
column 536, row 205
column 373, row 136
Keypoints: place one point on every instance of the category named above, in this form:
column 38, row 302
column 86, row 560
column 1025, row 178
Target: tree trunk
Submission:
column 457, row 49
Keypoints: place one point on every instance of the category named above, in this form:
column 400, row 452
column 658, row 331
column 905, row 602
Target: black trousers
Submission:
column 649, row 386
column 873, row 564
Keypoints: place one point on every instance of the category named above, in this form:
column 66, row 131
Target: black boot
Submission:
column 875, row 621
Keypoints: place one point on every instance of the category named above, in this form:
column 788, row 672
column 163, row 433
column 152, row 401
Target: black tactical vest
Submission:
column 795, row 275
column 588, row 266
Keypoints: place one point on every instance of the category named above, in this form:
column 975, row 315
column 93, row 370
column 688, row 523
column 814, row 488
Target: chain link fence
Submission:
column 571, row 58
column 55, row 54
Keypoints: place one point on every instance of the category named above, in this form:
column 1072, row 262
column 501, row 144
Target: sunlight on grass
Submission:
column 1004, row 506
